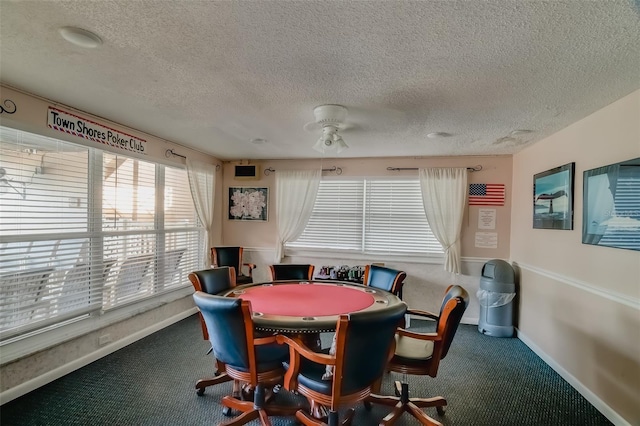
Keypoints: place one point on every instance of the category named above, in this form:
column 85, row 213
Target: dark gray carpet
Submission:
column 486, row 380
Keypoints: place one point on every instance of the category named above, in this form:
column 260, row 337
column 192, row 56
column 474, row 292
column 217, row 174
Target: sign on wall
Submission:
column 76, row 125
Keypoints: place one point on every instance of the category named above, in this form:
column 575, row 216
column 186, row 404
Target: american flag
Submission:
column 486, row 194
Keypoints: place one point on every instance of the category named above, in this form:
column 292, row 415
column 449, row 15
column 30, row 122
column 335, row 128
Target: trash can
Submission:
column 496, row 294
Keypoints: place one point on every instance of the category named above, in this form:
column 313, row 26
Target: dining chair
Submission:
column 256, row 361
column 384, row 278
column 420, row 354
column 232, row 256
column 364, row 342
column 213, row 281
column 288, row 271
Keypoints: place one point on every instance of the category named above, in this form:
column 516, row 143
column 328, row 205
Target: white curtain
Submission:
column 444, row 195
column 296, row 192
column 202, row 183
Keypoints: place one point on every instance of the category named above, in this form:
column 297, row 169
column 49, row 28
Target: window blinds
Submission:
column 336, row 220
column 395, row 219
column 370, row 216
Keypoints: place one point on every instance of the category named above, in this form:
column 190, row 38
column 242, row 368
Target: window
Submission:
column 369, row 216
column 84, row 230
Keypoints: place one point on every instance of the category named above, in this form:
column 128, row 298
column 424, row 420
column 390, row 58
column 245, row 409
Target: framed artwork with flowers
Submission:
column 248, row 203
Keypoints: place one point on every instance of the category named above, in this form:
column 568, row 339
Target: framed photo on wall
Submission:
column 248, row 203
column 553, row 198
column 611, row 205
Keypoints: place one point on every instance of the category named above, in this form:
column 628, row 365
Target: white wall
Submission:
column 580, row 304
column 426, row 280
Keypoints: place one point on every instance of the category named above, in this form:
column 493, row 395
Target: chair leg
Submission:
column 402, row 403
column 202, row 384
column 256, row 408
column 331, row 419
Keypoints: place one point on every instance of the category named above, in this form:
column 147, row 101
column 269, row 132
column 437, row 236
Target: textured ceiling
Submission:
column 216, row 75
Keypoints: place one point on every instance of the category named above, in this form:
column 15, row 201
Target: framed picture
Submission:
column 553, row 198
column 248, row 203
column 611, row 205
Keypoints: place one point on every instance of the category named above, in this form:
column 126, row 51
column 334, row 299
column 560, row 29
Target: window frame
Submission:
column 56, row 328
column 361, row 254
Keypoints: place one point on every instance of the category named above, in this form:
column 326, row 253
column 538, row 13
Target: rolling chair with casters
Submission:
column 213, row 281
column 420, row 354
column 232, row 256
column 363, row 345
column 288, row 271
column 256, row 361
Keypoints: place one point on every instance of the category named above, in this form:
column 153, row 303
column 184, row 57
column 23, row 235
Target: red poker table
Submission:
column 308, row 306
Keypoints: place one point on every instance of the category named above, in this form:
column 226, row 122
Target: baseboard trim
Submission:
column 35, row 383
column 632, row 302
column 598, row 403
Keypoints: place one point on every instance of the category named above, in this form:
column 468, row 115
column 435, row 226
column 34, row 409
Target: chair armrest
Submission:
column 419, row 313
column 251, row 267
column 264, row 340
column 304, row 350
column 420, row 336
column 296, row 350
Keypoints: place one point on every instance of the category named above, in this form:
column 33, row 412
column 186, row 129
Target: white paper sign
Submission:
column 487, row 240
column 83, row 127
column 487, row 219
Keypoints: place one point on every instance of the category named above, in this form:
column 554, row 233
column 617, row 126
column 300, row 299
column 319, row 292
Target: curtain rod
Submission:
column 471, row 169
column 171, row 152
column 338, row 170
column 168, row 153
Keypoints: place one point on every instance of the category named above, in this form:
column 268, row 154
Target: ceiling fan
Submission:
column 330, row 118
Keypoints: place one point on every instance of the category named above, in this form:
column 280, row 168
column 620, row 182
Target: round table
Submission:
column 309, row 306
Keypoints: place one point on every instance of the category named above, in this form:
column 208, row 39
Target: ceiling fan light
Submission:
column 341, row 145
column 320, row 145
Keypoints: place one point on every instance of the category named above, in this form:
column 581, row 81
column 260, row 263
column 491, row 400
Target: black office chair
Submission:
column 256, row 361
column 420, row 354
column 288, row 271
column 213, row 281
column 383, row 278
column 364, row 343
column 232, row 256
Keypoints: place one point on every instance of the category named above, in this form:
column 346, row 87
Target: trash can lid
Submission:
column 498, row 270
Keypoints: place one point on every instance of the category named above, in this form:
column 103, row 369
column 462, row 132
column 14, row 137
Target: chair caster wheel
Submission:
column 200, row 391
column 226, row 411
column 441, row 409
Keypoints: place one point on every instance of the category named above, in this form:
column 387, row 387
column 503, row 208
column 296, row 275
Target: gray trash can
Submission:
column 496, row 294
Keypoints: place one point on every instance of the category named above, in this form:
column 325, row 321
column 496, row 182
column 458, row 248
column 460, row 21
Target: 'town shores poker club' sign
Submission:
column 78, row 126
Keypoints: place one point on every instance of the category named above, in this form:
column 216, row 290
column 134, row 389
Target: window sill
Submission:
column 36, row 341
column 437, row 259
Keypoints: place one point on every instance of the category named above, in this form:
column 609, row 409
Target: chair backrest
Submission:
column 213, row 280
column 227, row 256
column 363, row 344
column 230, row 329
column 384, row 278
column 288, row 271
column 454, row 303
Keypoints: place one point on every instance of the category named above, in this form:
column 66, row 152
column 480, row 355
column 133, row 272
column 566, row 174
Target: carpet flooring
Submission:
column 486, row 381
